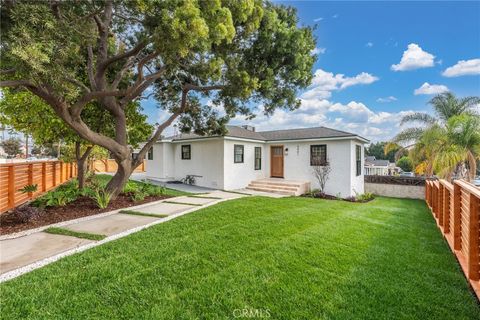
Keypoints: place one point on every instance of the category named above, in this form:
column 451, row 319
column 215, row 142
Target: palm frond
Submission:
column 418, row 117
column 408, row 135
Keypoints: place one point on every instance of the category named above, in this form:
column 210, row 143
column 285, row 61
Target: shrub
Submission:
column 130, row 187
column 153, row 190
column 27, row 213
column 59, row 197
column 138, row 195
column 102, row 198
column 367, row 196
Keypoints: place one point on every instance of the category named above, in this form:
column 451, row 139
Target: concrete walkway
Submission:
column 32, row 249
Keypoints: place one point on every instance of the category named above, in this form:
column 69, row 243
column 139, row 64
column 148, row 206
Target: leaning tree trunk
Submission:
column 118, row 181
column 81, row 164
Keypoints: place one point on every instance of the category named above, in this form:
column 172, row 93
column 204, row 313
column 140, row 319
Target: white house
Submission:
column 377, row 167
column 268, row 160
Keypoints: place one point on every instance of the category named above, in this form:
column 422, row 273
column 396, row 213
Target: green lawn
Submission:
column 299, row 258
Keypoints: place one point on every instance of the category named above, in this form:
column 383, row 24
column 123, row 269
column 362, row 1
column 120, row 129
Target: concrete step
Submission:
column 271, row 186
column 285, row 192
column 279, row 183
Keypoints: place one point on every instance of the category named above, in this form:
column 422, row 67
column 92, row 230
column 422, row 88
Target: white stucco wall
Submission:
column 297, row 165
column 239, row 175
column 357, row 182
column 206, row 161
column 213, row 160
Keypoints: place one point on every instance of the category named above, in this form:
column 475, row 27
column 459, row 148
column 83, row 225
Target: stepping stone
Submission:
column 22, row 251
column 165, row 208
column 195, row 200
column 112, row 224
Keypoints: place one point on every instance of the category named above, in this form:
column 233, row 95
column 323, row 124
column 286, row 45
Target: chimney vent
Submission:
column 249, row 128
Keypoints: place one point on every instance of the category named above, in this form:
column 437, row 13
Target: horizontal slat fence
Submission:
column 109, row 165
column 456, row 208
column 45, row 174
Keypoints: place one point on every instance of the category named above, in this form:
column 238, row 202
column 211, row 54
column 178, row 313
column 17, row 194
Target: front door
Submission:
column 276, row 161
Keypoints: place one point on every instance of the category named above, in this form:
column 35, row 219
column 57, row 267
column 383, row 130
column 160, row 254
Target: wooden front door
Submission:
column 276, row 161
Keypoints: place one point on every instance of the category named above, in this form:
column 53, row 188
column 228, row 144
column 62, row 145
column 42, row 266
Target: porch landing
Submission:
column 280, row 186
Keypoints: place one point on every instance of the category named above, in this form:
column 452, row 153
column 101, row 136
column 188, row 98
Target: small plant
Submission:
column 130, row 187
column 367, row 196
column 153, row 190
column 138, row 195
column 102, row 198
column 27, row 213
column 29, row 188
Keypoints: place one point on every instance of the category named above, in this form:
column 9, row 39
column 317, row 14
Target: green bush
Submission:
column 61, row 196
column 138, row 195
column 405, row 163
column 367, row 196
column 153, row 190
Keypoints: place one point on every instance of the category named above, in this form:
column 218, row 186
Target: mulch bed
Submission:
column 11, row 222
column 320, row 195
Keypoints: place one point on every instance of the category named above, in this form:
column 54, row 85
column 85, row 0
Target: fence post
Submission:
column 457, row 194
column 473, row 241
column 106, row 165
column 61, row 172
column 54, row 168
column 11, row 186
column 446, row 210
column 30, row 178
column 441, row 189
column 44, row 177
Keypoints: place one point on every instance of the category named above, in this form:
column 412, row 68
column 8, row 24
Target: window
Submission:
column 150, row 154
column 186, row 152
column 358, row 157
column 258, row 158
column 318, row 155
column 238, row 153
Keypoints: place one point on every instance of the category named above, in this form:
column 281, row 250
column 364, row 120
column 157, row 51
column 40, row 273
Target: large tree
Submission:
column 233, row 54
column 27, row 113
column 11, row 146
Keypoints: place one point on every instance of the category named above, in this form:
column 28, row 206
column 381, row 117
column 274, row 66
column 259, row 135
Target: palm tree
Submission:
column 457, row 147
column 445, row 106
column 440, row 142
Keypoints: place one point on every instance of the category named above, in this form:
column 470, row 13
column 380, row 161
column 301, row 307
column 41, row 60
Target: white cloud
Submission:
column 463, row 68
column 387, row 99
column 414, row 58
column 428, row 88
column 335, row 16
column 369, row 44
column 318, row 51
column 324, row 82
column 353, row 117
column 318, row 19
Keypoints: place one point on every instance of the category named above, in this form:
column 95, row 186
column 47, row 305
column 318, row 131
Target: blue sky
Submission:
column 378, row 61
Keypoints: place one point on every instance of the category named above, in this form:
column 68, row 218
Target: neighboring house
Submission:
column 244, row 158
column 380, row 167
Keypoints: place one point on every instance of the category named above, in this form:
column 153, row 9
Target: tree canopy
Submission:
column 236, row 55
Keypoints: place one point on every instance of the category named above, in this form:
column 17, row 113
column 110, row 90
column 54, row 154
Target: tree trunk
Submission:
column 118, row 181
column 81, row 164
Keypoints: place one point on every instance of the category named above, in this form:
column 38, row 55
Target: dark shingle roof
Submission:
column 274, row 135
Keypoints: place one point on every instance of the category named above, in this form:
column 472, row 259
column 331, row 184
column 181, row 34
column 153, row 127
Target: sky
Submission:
column 378, row 61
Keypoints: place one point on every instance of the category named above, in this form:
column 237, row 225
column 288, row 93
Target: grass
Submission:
column 67, row 232
column 138, row 213
column 103, row 179
column 183, row 203
column 300, row 258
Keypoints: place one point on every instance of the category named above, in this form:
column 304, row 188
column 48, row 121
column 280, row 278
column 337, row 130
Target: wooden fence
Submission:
column 45, row 174
column 109, row 165
column 456, row 208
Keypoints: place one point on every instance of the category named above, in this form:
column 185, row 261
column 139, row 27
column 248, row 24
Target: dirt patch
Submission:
column 14, row 221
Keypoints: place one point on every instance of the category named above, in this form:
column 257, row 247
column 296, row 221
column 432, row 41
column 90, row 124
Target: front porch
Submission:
column 280, row 186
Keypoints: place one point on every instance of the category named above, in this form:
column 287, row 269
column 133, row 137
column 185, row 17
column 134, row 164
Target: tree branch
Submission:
column 137, row 89
column 7, row 71
column 78, row 83
column 158, row 132
column 15, row 83
column 130, row 53
column 90, row 72
column 78, row 106
column 189, row 86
